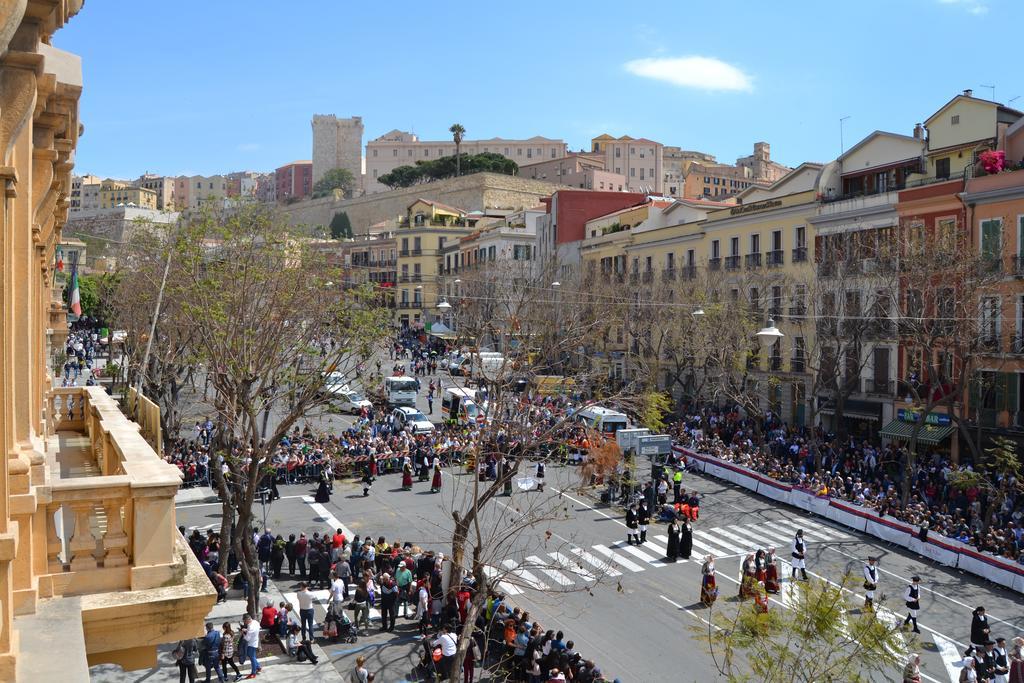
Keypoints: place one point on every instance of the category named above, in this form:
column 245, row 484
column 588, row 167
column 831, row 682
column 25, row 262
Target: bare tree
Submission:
column 270, row 319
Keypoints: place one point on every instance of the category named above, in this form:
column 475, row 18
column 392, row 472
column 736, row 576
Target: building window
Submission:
column 426, row 152
column 410, row 152
column 734, row 246
column 715, row 249
column 553, row 150
column 942, row 167
column 375, row 152
column 632, row 172
column 394, row 152
column 618, row 153
column 529, row 152
column 954, row 120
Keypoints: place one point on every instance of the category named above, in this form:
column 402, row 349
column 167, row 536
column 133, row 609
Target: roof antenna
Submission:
column 992, row 88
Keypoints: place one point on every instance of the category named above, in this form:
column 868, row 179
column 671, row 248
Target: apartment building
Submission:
column 639, row 160
column 677, row 163
column 85, row 192
column 294, row 181
column 400, row 148
column 577, row 169
column 114, row 193
column 163, row 186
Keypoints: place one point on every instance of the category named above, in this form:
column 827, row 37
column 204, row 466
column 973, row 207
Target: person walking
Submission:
column 912, row 598
column 643, row 518
column 407, row 476
column 672, row 550
column 446, row 641
column 301, row 548
column 631, row 525
column 771, row 572
column 388, row 603
column 185, row 655
column 227, row 651
column 870, row 582
column 685, row 539
column 708, row 585
column 251, row 637
column 211, row 648
column 979, row 629
column 305, row 598
column 798, row 553
column 289, row 553
column 540, row 476
column 435, row 484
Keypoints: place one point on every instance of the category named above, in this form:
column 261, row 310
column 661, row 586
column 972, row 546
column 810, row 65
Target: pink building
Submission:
column 294, row 180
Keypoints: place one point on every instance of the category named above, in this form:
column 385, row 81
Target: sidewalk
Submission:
column 276, row 665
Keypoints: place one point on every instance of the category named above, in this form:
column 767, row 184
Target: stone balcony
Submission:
column 111, row 537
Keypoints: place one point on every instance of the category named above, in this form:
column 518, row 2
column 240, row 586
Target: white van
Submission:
column 461, row 404
column 601, row 419
column 400, row 390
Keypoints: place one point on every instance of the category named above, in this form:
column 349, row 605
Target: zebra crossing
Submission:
column 576, row 565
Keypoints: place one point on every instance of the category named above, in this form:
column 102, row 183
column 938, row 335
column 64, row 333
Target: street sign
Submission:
column 656, row 444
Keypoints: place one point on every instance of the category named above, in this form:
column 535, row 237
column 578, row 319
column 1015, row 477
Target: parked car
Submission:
column 405, row 415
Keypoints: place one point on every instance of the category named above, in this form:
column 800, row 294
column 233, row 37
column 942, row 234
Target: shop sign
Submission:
column 936, row 419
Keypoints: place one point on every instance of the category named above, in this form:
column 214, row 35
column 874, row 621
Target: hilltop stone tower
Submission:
column 337, row 143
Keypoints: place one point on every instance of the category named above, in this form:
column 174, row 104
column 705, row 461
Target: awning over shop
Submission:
column 853, row 414
column 929, row 435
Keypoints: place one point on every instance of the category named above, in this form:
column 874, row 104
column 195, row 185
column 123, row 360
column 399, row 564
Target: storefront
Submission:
column 933, row 435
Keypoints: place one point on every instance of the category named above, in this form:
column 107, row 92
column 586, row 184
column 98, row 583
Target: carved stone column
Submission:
column 82, row 546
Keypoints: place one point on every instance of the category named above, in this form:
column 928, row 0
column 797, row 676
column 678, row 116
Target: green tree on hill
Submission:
column 341, row 226
column 335, row 179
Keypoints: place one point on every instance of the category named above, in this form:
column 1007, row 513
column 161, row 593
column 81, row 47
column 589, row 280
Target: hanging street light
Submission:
column 769, row 334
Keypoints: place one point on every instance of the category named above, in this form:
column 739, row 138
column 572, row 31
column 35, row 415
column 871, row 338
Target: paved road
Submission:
column 643, row 609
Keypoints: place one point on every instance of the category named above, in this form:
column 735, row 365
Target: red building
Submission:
column 294, row 180
column 567, row 213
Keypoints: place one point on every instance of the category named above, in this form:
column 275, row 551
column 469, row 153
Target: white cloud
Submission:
column 971, row 6
column 248, row 147
column 702, row 73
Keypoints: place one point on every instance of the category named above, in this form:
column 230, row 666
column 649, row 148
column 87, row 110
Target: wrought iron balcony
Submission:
column 775, row 258
column 714, row 263
column 732, row 262
column 799, row 254
column 753, row 260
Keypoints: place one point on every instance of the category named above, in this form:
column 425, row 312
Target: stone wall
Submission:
column 475, row 192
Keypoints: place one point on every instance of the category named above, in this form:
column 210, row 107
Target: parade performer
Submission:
column 643, row 518
column 672, row 552
column 748, row 579
column 912, row 597
column 870, row 582
column 540, row 476
column 979, row 629
column 760, row 566
column 685, row 539
column 708, row 586
column 771, row 578
column 631, row 525
column 435, row 484
column 407, row 476
column 1017, row 661
column 799, row 551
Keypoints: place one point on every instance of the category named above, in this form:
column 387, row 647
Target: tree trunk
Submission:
column 466, row 634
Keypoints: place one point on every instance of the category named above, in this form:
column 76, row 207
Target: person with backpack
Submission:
column 185, row 656
column 211, row 652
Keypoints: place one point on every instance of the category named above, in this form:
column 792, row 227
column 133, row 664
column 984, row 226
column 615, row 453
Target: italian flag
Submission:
column 75, row 297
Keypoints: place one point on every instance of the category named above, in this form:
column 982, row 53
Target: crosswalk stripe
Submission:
column 711, row 539
column 528, row 577
column 893, row 621
column 736, row 539
column 814, row 535
column 660, row 550
column 951, row 657
column 824, row 527
column 664, row 539
column 539, row 564
column 766, row 529
column 603, row 565
column 635, row 552
column 753, row 536
column 572, row 566
column 618, row 559
column 491, row 572
column 708, row 550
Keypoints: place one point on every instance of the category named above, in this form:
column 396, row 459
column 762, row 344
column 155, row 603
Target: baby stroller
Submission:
column 338, row 627
column 430, row 660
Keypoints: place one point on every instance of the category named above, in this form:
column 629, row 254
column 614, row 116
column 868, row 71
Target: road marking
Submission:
column 491, row 572
column 735, row 539
column 711, row 539
column 528, row 577
column 602, row 565
column 826, row 528
column 664, row 539
column 626, row 548
column 814, row 535
column 690, row 612
column 327, row 517
column 572, row 566
column 539, row 564
column 708, row 549
column 766, row 529
column 952, row 659
column 753, row 536
column 631, row 566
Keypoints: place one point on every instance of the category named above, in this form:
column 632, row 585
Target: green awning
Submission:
column 929, row 435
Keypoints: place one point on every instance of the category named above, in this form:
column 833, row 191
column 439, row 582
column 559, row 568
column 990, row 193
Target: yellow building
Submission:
column 422, row 233
column 960, row 131
column 92, row 567
column 115, row 193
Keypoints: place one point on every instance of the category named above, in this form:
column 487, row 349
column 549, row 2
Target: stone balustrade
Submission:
column 110, row 523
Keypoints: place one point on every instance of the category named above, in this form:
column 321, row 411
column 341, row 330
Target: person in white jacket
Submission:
column 870, row 582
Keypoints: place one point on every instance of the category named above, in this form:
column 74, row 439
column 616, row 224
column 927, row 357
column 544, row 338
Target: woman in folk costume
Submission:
column 407, row 475
column 672, row 552
column 708, row 585
column 1017, row 660
column 912, row 671
column 760, row 565
column 685, row 539
column 748, row 579
column 771, row 578
column 435, row 484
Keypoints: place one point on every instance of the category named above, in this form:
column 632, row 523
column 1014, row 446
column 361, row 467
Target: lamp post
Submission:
column 768, row 335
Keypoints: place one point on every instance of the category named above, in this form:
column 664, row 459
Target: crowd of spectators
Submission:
column 867, row 474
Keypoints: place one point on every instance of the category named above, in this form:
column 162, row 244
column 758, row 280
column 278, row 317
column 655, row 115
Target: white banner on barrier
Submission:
column 845, row 518
column 774, row 492
column 994, row 573
column 887, row 533
column 809, row 502
column 934, row 552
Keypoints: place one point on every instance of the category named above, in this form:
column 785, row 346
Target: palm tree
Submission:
column 457, row 132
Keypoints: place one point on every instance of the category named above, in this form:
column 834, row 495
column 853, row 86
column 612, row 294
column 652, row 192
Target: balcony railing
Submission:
column 417, row 252
column 715, row 263
column 117, row 524
column 648, row 277
column 634, row 277
column 1017, row 263
column 668, row 274
column 1018, row 344
column 417, row 277
column 799, row 254
column 775, row 258
column 775, row 363
column 404, row 277
column 753, row 260
column 879, row 387
column 403, row 252
column 688, row 272
column 797, row 311
column 797, row 365
column 732, row 262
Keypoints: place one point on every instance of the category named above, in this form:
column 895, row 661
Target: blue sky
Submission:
column 208, row 87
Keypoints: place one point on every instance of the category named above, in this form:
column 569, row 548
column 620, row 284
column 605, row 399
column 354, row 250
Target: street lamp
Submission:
column 444, row 306
column 698, row 312
column 768, row 335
